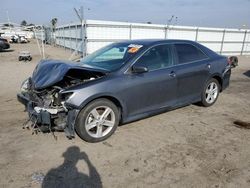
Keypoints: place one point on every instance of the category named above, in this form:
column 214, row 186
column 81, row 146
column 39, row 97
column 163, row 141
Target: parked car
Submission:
column 24, row 56
column 23, row 39
column 120, row 83
column 19, row 39
column 4, row 44
column 14, row 39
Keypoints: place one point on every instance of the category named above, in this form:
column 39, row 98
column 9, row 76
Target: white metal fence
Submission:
column 96, row 34
column 39, row 34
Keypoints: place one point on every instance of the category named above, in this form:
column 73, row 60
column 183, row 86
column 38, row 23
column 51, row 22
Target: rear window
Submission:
column 188, row 53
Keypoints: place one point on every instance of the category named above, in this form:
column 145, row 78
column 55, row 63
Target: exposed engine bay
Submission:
column 50, row 97
column 46, row 103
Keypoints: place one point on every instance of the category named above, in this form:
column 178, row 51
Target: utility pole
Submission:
column 167, row 28
column 43, row 33
column 80, row 15
column 7, row 13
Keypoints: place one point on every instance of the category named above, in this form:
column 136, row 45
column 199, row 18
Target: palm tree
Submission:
column 53, row 23
column 23, row 23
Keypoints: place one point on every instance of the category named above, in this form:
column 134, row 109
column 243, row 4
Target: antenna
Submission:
column 170, row 20
column 176, row 20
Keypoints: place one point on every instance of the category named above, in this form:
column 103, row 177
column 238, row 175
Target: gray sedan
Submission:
column 120, row 83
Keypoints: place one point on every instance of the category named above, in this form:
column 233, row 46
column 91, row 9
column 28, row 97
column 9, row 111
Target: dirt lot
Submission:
column 188, row 147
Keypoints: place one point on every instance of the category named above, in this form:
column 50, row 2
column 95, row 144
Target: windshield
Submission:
column 111, row 57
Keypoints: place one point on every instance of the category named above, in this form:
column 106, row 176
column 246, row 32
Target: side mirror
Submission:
column 139, row 69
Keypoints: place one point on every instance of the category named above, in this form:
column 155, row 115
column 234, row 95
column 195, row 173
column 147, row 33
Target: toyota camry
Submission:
column 120, row 83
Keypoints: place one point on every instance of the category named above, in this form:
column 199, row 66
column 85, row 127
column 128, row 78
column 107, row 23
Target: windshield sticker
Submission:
column 134, row 48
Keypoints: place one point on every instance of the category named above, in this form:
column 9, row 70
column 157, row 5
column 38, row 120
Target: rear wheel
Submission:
column 210, row 92
column 98, row 120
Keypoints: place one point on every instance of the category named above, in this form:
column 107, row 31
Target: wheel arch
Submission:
column 121, row 107
column 219, row 79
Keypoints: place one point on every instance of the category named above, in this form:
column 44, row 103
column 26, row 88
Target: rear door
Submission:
column 192, row 71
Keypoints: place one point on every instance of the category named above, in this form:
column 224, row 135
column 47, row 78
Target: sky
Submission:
column 207, row 13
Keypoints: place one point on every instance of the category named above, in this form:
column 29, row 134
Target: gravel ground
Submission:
column 192, row 146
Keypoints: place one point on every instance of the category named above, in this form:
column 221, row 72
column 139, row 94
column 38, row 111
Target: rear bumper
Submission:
column 46, row 120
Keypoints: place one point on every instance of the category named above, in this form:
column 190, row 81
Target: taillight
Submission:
column 232, row 61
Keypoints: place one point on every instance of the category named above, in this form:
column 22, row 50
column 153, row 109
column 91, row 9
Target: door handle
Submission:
column 208, row 66
column 172, row 74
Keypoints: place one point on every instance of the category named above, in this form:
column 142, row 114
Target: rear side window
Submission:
column 188, row 53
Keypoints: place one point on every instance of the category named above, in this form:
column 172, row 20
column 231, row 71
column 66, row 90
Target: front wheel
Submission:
column 98, row 120
column 210, row 92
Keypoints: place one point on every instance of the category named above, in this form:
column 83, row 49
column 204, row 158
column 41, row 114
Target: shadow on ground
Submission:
column 67, row 174
column 247, row 73
column 9, row 50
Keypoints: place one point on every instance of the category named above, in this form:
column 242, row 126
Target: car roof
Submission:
column 149, row 42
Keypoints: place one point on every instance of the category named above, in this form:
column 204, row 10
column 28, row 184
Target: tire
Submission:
column 20, row 58
column 92, row 125
column 210, row 92
column 29, row 58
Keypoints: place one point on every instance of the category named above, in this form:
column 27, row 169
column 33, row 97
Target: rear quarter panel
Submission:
column 219, row 68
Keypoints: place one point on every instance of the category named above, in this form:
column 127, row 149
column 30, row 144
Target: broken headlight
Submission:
column 66, row 96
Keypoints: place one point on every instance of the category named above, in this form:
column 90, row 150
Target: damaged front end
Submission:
column 46, row 92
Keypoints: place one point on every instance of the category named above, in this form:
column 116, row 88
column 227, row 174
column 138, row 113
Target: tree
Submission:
column 23, row 23
column 53, row 23
column 8, row 25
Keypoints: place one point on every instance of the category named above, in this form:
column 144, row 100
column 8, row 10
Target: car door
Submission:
column 154, row 89
column 192, row 71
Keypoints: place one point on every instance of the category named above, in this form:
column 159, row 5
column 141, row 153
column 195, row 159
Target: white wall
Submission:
column 101, row 33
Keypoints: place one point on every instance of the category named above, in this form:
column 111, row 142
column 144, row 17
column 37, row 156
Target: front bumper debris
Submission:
column 47, row 119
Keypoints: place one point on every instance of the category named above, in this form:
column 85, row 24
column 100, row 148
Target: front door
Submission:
column 156, row 88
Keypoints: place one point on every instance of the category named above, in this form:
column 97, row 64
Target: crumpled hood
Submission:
column 49, row 72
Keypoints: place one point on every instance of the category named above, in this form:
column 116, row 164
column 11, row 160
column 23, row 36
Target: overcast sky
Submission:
column 211, row 13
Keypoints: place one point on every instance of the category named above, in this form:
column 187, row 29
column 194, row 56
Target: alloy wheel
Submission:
column 100, row 121
column 211, row 92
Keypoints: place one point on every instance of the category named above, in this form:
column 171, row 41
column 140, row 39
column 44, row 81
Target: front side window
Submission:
column 157, row 57
column 188, row 53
